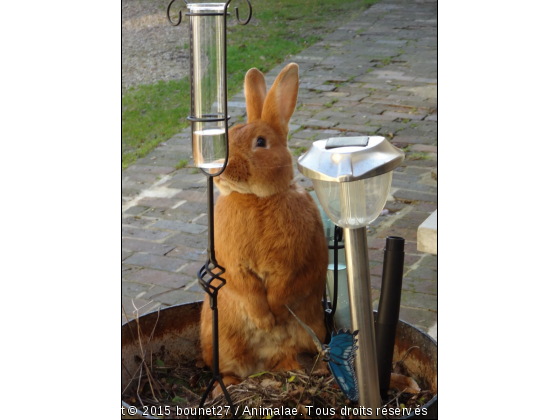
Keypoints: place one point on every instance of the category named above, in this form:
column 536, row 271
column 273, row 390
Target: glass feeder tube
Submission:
column 208, row 85
column 208, row 74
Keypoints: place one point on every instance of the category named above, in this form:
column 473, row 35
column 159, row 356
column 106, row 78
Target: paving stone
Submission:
column 155, row 261
column 394, row 206
column 419, row 300
column 180, row 226
column 423, row 148
column 410, row 196
column 195, row 195
column 376, row 282
column 154, row 235
column 431, row 117
column 137, row 221
column 132, row 191
column 429, row 261
column 160, row 278
column 320, row 123
column 358, row 128
column 403, row 116
column 425, row 273
column 296, row 143
column 177, row 214
column 194, row 241
column 127, row 270
column 191, row 269
column 133, row 290
column 430, row 162
column 415, row 170
column 170, row 296
column 185, row 175
column 146, row 246
column 192, row 206
column 410, row 246
column 336, row 94
column 310, row 134
column 160, row 170
column 196, row 289
column 321, row 88
column 410, row 259
column 159, row 202
column 201, row 220
column 136, row 210
column 414, row 186
column 430, row 207
column 141, row 177
column 381, row 119
column 357, row 97
column 419, row 317
column 188, row 253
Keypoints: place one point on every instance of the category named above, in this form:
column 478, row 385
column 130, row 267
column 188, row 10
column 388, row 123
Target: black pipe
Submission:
column 389, row 307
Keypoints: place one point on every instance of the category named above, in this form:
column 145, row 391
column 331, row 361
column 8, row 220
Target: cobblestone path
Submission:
column 376, row 75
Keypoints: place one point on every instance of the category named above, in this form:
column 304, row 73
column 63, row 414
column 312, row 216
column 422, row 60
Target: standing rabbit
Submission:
column 269, row 238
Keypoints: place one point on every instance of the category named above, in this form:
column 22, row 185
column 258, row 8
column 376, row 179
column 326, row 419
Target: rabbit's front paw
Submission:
column 266, row 322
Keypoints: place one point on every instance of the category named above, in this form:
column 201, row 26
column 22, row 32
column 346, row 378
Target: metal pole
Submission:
column 359, row 291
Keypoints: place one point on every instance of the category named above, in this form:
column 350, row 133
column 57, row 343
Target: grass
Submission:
column 153, row 113
column 182, row 164
column 299, row 151
column 418, row 156
column 331, row 103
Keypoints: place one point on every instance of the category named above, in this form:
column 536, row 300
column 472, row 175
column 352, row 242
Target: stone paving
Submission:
column 376, row 75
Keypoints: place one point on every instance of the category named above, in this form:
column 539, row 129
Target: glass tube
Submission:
column 342, row 314
column 208, row 95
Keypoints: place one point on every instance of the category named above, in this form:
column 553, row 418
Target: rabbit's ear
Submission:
column 255, row 93
column 282, row 98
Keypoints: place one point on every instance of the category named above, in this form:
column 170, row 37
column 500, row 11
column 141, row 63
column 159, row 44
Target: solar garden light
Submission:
column 352, row 178
column 209, row 123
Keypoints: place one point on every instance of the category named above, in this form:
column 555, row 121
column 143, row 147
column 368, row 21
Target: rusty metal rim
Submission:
column 427, row 406
column 434, row 342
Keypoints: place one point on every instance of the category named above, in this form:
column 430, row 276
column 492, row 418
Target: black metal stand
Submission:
column 208, row 274
column 211, row 271
column 330, row 307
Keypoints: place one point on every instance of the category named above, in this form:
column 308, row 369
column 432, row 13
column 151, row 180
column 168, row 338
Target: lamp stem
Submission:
column 359, row 291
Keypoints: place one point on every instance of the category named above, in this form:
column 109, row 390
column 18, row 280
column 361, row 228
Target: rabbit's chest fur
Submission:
column 264, row 234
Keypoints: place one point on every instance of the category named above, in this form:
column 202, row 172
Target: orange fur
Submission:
column 269, row 238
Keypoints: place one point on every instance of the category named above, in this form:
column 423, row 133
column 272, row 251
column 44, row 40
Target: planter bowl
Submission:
column 176, row 338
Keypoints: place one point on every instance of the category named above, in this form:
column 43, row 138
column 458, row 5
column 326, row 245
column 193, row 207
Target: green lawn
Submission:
column 153, row 113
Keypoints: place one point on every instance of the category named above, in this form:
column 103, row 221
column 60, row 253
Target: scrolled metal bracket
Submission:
column 180, row 14
column 246, row 21
column 240, row 21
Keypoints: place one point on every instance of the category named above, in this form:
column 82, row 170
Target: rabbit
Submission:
column 269, row 238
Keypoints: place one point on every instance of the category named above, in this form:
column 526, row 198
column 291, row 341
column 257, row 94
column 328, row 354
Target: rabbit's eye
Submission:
column 261, row 142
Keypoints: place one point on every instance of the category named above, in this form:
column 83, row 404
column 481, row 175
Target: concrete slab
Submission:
column 427, row 235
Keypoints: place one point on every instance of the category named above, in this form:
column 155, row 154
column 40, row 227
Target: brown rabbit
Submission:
column 269, row 238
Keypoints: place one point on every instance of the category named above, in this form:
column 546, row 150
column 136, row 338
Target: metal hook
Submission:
column 242, row 22
column 180, row 14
